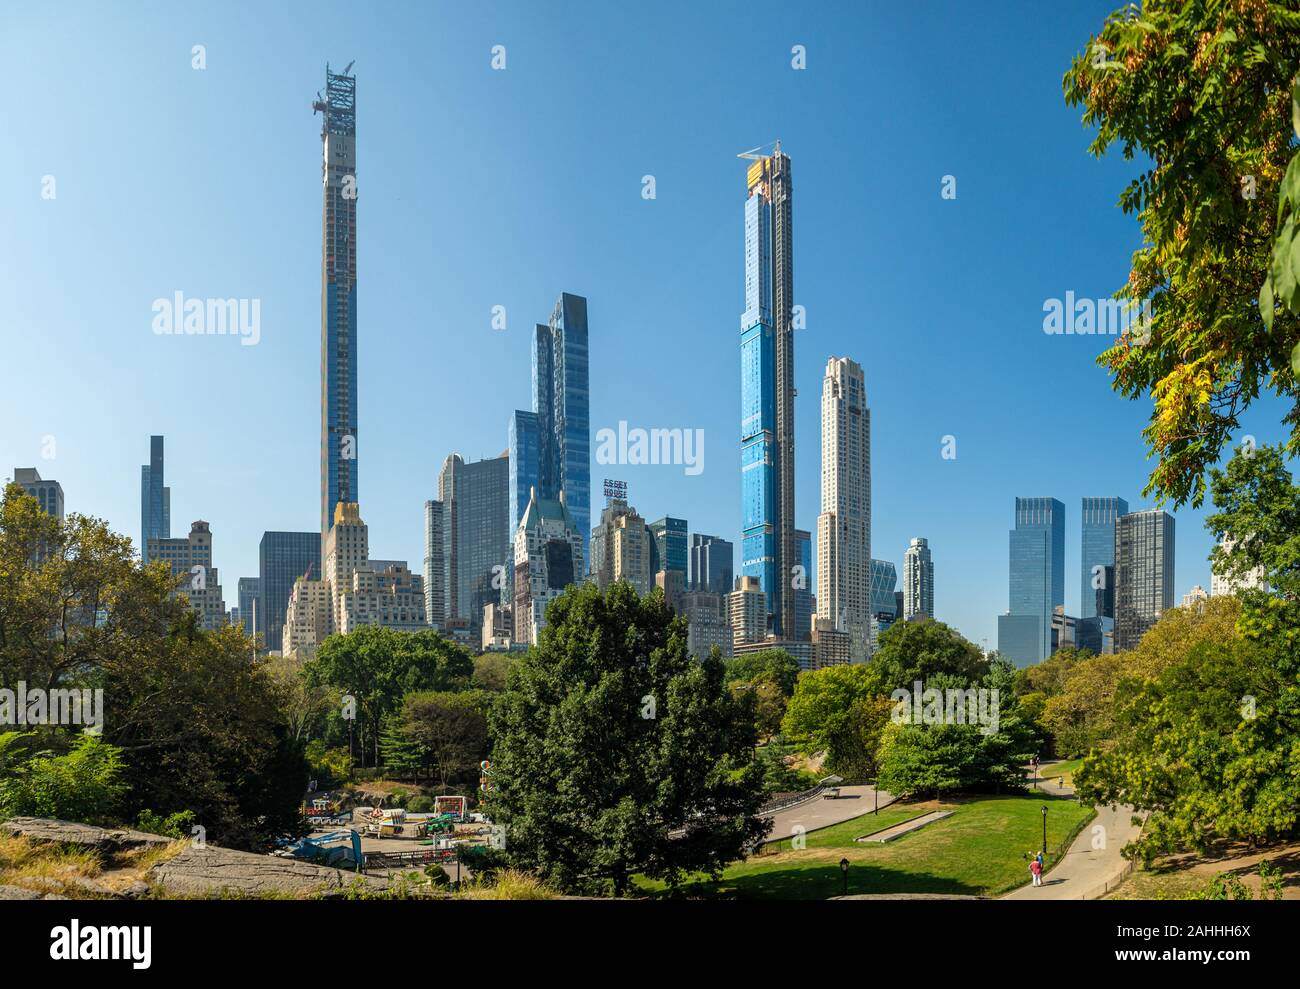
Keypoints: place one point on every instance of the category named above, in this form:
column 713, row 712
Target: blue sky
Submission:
column 480, row 188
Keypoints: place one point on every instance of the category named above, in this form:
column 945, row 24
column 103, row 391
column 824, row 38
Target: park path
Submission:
column 819, row 812
column 1084, row 872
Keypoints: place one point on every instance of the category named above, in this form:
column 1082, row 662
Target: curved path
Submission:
column 819, row 812
column 1084, row 872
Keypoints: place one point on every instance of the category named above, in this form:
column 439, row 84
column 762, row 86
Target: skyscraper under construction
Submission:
column 338, row 299
column 769, row 546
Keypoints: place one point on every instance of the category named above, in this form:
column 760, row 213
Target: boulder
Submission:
column 47, row 831
column 213, row 871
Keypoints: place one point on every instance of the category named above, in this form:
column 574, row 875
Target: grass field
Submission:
column 1057, row 769
column 981, row 850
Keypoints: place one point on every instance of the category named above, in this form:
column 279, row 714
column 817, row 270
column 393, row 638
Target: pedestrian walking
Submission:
column 1036, row 871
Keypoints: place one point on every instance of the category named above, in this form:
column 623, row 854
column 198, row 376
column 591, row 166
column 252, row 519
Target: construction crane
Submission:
column 757, row 157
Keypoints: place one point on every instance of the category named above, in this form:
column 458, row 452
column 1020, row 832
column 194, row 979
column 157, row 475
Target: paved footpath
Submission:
column 853, row 801
column 1083, row 872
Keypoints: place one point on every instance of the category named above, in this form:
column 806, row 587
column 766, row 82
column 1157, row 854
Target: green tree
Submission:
column 1202, row 93
column 776, row 665
column 911, row 651
column 840, row 710
column 379, row 666
column 1208, row 749
column 616, row 753
column 449, row 729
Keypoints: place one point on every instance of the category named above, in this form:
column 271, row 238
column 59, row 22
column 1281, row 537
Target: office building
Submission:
column 885, row 608
column 769, row 549
column 1097, row 556
column 250, row 609
column 844, row 525
column 918, row 581
column 668, row 550
column 713, row 564
column 524, row 449
column 1037, row 580
column 1144, row 574
column 155, row 499
column 283, row 557
column 476, row 527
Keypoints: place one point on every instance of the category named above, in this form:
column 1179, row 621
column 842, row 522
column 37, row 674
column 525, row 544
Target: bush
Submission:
column 83, row 785
column 172, row 826
column 420, row 804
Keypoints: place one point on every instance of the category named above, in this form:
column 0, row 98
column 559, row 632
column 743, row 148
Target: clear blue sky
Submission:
column 480, row 188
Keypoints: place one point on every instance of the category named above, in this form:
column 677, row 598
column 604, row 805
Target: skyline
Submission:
column 423, row 389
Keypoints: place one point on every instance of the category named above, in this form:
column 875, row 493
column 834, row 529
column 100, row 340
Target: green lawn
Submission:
column 1057, row 769
column 980, row 850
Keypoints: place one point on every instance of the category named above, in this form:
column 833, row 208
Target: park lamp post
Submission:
column 1044, row 831
column 844, row 868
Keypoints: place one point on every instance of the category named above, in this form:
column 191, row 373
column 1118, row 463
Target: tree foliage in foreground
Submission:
column 616, row 753
column 1201, row 92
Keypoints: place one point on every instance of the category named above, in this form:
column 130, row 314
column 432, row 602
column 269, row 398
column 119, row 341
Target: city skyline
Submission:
column 457, row 386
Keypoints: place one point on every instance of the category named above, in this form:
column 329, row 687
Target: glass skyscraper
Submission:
column 668, row 546
column 1037, row 580
column 769, row 549
column 250, row 605
column 283, row 557
column 155, row 499
column 338, row 318
column 475, row 525
column 1144, row 574
column 524, row 451
column 713, row 564
column 550, row 448
column 1098, row 551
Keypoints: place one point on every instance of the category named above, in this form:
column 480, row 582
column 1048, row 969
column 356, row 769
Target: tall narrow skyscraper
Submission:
column 1097, row 556
column 844, row 526
column 769, row 549
column 1037, row 580
column 155, row 499
column 338, row 296
column 918, row 580
column 562, row 406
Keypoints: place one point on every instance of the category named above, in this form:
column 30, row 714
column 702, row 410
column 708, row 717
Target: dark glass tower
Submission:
column 1144, row 574
column 283, row 557
column 338, row 315
column 1098, row 550
column 155, row 499
column 769, row 547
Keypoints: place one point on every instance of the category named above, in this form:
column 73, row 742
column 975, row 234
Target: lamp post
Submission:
column 1044, row 831
column 844, row 868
